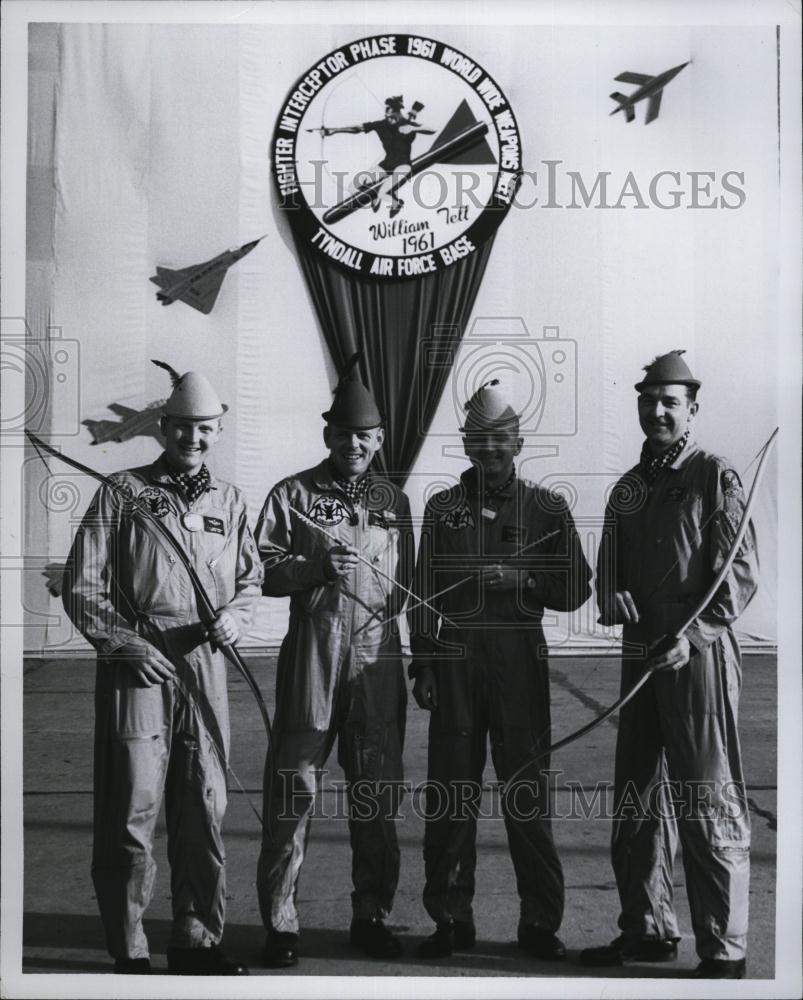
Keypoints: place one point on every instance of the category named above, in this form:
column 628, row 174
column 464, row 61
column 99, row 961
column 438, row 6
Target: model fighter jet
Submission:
column 143, row 423
column 648, row 86
column 198, row 286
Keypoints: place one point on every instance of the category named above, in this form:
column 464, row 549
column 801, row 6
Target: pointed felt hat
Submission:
column 353, row 406
column 668, row 369
column 490, row 408
column 192, row 397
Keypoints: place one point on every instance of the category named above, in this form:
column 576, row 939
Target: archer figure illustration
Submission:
column 397, row 132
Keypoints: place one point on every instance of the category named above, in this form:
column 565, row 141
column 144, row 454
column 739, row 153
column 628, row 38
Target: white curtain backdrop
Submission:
column 149, row 144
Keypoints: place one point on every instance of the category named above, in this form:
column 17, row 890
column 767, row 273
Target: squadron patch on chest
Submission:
column 458, row 518
column 328, row 511
column 156, row 501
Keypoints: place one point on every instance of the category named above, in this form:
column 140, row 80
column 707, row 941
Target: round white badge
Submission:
column 192, row 521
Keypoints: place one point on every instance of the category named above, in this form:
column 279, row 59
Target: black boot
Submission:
column 460, row 935
column 441, row 944
column 629, row 949
column 133, row 967
column 280, row 951
column 374, row 939
column 541, row 943
column 202, row 962
column 721, row 968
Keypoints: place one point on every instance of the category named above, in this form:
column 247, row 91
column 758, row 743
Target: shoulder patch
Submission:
column 732, row 496
column 458, row 517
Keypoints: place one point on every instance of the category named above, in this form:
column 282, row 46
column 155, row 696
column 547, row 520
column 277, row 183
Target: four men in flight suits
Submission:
column 495, row 551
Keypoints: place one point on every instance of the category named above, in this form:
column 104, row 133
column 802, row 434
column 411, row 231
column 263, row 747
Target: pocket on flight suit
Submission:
column 139, row 712
column 204, row 779
column 359, row 752
column 221, row 570
column 134, row 762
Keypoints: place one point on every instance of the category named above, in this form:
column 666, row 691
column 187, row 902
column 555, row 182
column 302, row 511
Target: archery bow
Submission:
column 677, row 634
column 206, row 609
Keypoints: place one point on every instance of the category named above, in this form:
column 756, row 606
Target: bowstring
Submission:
column 616, row 638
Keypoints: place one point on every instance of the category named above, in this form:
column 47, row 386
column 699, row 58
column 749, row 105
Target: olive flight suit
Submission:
column 489, row 656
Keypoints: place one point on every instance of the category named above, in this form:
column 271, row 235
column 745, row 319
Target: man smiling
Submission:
column 334, row 538
column 161, row 705
column 495, row 552
column 669, row 526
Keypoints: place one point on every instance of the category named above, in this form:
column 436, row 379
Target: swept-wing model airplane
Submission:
column 144, row 423
column 199, row 285
column 461, row 141
column 648, row 86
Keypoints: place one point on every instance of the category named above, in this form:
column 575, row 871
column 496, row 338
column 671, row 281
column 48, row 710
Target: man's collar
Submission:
column 322, row 476
column 470, row 480
column 159, row 472
column 680, row 459
column 686, row 452
column 325, row 477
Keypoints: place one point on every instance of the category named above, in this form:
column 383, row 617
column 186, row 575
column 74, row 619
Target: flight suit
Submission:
column 124, row 584
column 678, row 737
column 489, row 656
column 340, row 674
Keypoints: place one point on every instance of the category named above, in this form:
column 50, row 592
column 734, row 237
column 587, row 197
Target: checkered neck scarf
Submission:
column 651, row 464
column 193, row 486
column 503, row 487
column 354, row 491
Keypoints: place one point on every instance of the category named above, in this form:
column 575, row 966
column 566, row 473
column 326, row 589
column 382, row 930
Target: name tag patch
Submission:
column 214, row 525
column 382, row 518
column 511, row 533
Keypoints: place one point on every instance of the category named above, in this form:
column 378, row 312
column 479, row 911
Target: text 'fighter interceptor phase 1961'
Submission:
column 199, row 285
column 648, row 86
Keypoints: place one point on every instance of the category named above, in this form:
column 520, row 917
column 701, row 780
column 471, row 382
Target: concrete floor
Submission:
column 62, row 931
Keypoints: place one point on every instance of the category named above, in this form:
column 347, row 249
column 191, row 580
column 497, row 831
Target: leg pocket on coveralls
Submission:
column 361, row 753
column 139, row 712
column 204, row 778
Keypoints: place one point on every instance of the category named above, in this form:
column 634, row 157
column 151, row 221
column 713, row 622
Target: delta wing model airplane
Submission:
column 199, row 285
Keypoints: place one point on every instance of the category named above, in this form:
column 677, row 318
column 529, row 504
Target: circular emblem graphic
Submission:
column 396, row 156
column 328, row 511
